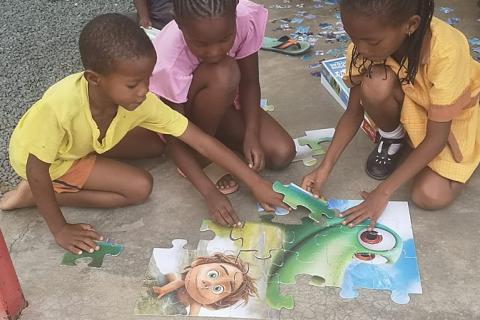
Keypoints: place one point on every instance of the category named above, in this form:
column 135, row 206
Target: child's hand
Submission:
column 145, row 22
column 221, row 210
column 159, row 291
column 77, row 238
column 373, row 206
column 268, row 199
column 253, row 152
column 314, row 181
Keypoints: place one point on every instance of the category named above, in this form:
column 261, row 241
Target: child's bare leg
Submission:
column 111, row 184
column 137, row 144
column 275, row 141
column 382, row 99
column 430, row 191
column 211, row 94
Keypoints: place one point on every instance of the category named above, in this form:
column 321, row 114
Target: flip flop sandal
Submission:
column 214, row 172
column 285, row 45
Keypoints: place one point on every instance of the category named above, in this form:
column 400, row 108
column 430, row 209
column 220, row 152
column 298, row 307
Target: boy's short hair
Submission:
column 110, row 37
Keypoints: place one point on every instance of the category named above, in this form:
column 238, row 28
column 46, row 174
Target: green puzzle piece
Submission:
column 294, row 196
column 111, row 249
column 314, row 144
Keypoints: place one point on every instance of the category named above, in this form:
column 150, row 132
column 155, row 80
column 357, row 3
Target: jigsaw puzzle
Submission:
column 263, row 255
column 106, row 248
column 311, row 145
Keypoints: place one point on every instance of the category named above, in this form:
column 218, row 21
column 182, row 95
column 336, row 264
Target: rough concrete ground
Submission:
column 38, row 47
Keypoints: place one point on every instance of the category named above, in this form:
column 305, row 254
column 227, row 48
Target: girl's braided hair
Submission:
column 184, row 9
column 395, row 12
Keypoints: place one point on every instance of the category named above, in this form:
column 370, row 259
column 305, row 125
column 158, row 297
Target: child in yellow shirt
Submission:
column 413, row 75
column 55, row 145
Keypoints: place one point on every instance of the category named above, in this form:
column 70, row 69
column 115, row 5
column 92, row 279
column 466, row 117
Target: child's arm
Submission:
column 218, row 204
column 195, row 308
column 376, row 201
column 143, row 13
column 218, row 153
column 169, row 287
column 72, row 237
column 346, row 129
column 249, row 93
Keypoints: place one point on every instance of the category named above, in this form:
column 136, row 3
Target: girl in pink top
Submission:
column 207, row 66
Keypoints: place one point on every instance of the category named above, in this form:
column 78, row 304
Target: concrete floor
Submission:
column 445, row 239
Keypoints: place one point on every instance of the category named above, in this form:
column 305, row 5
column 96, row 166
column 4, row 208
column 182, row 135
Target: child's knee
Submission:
column 141, row 188
column 379, row 85
column 282, row 155
column 223, row 76
column 430, row 197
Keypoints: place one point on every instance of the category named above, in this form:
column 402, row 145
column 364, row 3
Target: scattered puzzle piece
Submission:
column 304, row 154
column 314, row 144
column 310, row 145
column 106, row 248
column 265, row 106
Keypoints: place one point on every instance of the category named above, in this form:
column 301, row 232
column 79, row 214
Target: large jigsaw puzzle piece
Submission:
column 295, row 196
column 106, row 248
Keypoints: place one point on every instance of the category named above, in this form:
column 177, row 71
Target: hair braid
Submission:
column 203, row 8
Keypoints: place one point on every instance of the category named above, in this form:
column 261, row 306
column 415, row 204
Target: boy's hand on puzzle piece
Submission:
column 221, row 210
column 314, row 181
column 253, row 152
column 373, row 206
column 268, row 199
column 77, row 238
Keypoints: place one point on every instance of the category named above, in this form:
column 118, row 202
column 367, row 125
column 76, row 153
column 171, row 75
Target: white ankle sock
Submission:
column 398, row 133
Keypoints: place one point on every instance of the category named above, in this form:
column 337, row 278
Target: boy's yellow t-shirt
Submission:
column 59, row 128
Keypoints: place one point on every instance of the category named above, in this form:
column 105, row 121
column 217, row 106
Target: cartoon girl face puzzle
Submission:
column 200, row 282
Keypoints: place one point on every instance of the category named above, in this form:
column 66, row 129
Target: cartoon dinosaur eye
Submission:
column 377, row 239
column 370, row 258
column 212, row 274
column 218, row 289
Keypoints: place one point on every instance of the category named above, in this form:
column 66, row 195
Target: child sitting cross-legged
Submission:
column 58, row 144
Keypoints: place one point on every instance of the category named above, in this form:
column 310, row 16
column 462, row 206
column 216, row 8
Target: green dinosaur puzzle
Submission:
column 324, row 251
column 294, row 196
column 106, row 248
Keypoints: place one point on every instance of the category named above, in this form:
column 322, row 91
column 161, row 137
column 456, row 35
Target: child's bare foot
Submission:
column 21, row 197
column 227, row 184
column 223, row 180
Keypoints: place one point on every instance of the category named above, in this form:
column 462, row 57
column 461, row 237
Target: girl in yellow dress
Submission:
column 414, row 76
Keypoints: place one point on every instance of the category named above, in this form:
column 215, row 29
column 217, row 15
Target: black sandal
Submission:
column 380, row 164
